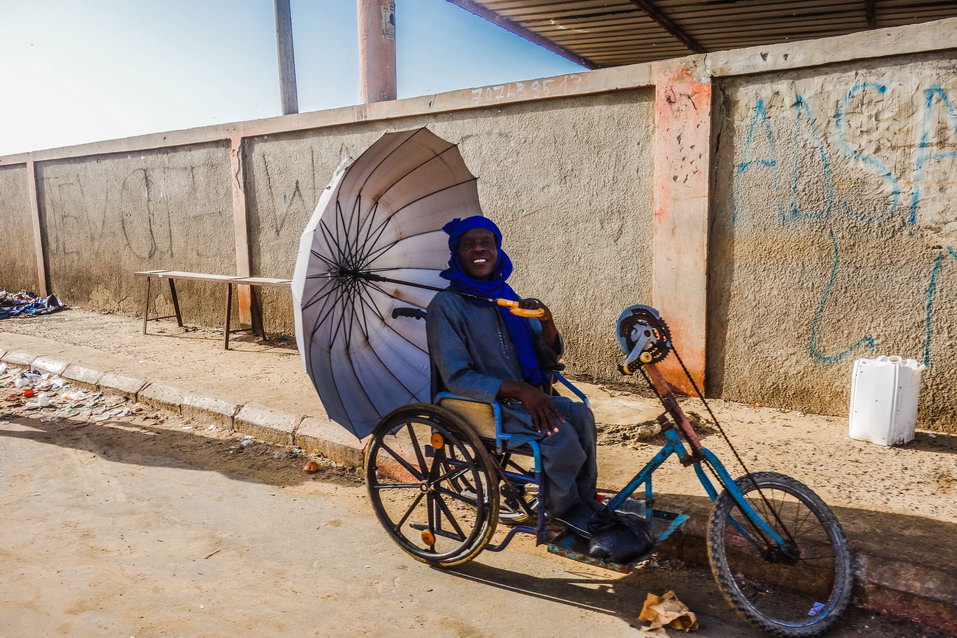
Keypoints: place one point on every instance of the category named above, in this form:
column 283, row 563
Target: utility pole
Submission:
column 288, row 93
column 376, row 50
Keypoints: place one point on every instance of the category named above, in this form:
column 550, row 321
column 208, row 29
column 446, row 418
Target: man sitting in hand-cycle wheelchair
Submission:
column 485, row 354
column 489, row 368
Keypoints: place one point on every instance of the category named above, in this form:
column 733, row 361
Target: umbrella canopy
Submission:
column 381, row 216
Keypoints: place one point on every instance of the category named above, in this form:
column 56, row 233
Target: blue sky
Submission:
column 75, row 71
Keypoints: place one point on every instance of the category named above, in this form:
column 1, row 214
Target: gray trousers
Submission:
column 568, row 461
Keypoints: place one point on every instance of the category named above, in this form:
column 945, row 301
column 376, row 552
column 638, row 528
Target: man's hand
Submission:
column 535, row 304
column 545, row 416
column 549, row 331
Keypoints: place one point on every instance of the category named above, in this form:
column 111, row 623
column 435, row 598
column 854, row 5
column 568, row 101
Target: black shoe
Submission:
column 577, row 519
column 620, row 540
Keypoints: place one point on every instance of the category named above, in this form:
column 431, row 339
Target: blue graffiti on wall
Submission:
column 931, row 292
column 819, row 314
column 803, row 111
column 870, row 160
column 803, row 128
column 924, row 156
column 760, row 116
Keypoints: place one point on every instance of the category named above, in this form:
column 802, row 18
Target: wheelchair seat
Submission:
column 486, row 418
column 481, row 416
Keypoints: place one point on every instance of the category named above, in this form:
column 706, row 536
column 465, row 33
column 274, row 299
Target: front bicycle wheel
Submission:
column 793, row 590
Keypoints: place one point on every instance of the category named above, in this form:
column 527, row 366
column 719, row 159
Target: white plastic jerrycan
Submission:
column 884, row 395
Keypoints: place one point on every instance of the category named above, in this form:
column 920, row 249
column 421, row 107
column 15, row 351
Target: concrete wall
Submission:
column 18, row 264
column 109, row 216
column 551, row 173
column 834, row 232
column 830, row 232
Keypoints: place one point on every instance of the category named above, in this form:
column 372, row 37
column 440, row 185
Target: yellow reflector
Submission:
column 428, row 537
column 437, row 441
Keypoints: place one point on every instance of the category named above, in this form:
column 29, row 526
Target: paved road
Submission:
column 139, row 527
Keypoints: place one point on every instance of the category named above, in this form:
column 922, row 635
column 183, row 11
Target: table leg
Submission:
column 146, row 305
column 229, row 309
column 256, row 312
column 172, row 294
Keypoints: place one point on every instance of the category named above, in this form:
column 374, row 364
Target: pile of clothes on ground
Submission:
column 27, row 304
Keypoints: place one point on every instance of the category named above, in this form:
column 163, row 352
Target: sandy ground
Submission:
column 150, row 525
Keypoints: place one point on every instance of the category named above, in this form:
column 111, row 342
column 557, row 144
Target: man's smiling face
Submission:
column 478, row 253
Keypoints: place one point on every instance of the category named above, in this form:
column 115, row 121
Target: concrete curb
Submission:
column 331, row 441
column 19, row 358
column 206, row 408
column 49, row 364
column 82, row 376
column 127, row 386
column 264, row 423
column 160, row 395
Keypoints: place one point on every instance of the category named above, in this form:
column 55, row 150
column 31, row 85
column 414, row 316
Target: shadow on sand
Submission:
column 134, row 440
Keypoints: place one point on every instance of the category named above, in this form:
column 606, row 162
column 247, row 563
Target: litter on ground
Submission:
column 27, row 304
column 667, row 610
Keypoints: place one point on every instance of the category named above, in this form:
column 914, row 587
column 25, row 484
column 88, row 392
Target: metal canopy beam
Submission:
column 474, row 8
column 668, row 25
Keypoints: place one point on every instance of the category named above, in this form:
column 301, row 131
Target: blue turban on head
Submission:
column 518, row 328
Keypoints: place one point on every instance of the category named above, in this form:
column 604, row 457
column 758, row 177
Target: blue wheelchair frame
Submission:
column 668, row 522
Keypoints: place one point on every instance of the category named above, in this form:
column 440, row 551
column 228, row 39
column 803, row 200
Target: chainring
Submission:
column 637, row 319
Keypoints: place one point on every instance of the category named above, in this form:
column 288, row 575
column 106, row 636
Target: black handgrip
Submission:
column 415, row 313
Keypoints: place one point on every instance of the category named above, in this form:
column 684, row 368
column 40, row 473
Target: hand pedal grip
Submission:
column 521, row 312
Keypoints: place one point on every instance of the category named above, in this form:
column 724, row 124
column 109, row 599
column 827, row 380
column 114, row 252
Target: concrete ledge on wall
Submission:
column 938, row 35
column 918, row 38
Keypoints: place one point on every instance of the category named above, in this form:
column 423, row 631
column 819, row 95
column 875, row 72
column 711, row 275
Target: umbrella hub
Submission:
column 354, row 273
column 342, row 271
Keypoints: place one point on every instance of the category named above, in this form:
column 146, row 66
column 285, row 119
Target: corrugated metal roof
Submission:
column 597, row 33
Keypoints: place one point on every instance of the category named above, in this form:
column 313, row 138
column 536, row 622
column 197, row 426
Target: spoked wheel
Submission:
column 795, row 592
column 432, row 485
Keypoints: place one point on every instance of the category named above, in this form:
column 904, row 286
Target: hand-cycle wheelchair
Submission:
column 442, row 476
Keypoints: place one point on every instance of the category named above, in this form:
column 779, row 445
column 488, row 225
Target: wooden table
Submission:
column 254, row 308
column 229, row 280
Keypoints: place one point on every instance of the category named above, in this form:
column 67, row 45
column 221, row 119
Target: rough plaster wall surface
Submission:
column 834, row 233
column 568, row 180
column 18, row 263
column 109, row 216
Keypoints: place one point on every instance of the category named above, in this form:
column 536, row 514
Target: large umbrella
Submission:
column 374, row 239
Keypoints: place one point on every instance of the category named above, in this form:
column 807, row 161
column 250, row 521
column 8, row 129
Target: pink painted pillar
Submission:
column 237, row 184
column 376, row 20
column 682, row 181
